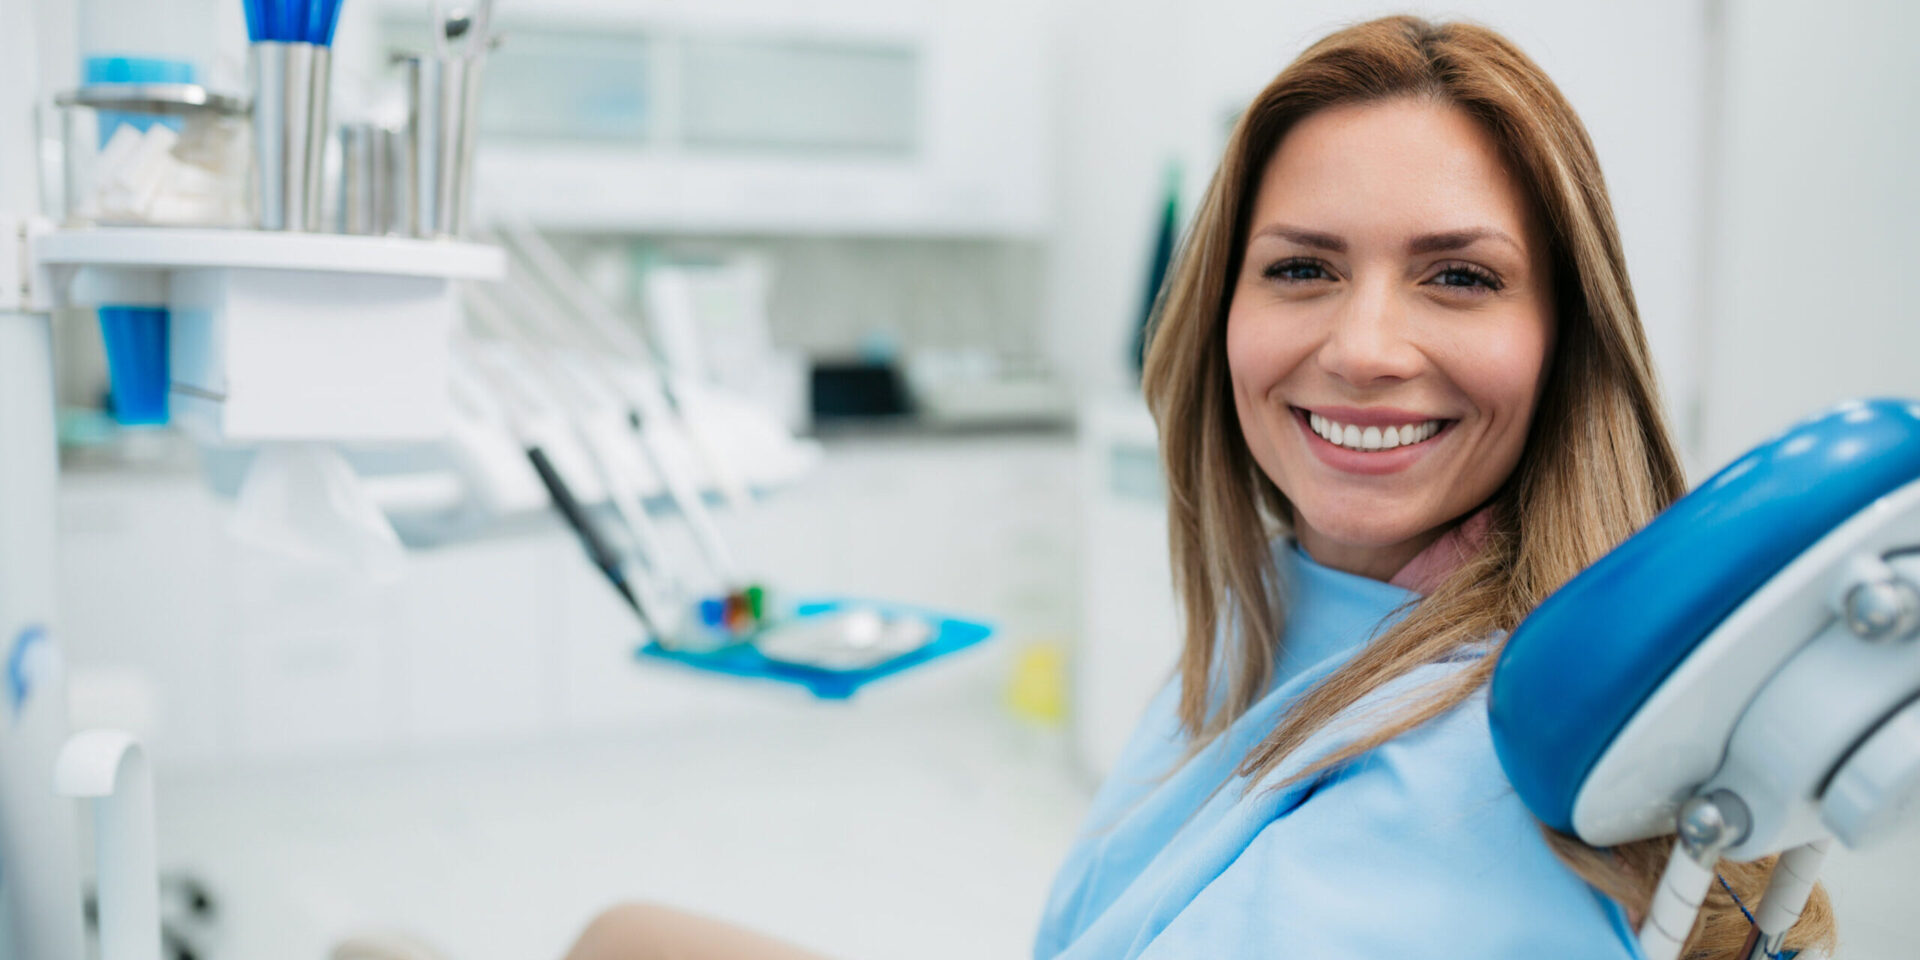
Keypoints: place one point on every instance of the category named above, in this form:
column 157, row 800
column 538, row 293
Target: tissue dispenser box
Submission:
column 310, row 355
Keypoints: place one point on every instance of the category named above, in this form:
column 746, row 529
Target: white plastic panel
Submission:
column 1817, row 708
column 1678, row 738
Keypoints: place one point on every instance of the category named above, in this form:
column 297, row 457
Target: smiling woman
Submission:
column 1403, row 395
column 1389, row 328
column 1399, row 345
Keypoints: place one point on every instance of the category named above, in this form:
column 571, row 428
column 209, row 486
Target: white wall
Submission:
column 1818, row 232
column 1815, row 243
column 1142, row 83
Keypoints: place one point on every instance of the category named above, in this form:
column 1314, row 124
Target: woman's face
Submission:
column 1390, row 327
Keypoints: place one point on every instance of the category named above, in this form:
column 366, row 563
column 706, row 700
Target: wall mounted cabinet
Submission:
column 736, row 116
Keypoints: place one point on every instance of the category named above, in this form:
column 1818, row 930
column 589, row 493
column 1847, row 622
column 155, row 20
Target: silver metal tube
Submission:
column 462, row 188
column 369, row 179
column 359, row 181
column 319, row 124
column 290, row 110
column 442, row 103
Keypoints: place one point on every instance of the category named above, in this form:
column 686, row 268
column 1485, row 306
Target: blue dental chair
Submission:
column 1743, row 673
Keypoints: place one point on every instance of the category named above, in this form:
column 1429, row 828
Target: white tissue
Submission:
column 303, row 501
column 160, row 176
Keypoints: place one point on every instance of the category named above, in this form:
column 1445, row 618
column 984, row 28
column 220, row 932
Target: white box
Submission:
column 305, row 355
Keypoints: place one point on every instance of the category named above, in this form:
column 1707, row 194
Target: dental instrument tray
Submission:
column 835, row 646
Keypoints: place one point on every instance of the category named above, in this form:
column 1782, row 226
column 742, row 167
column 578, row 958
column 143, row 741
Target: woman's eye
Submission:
column 1462, row 275
column 1296, row 271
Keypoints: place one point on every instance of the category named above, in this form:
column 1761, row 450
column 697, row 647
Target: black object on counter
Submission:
column 858, row 389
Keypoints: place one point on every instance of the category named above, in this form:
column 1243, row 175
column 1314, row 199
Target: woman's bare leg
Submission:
column 646, row 931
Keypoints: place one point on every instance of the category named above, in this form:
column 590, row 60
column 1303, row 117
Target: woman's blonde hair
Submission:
column 1598, row 462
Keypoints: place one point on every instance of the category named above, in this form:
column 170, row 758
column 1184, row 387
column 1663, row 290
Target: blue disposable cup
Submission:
column 134, row 70
column 137, row 363
column 136, row 337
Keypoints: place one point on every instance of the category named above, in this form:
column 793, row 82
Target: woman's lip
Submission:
column 1371, row 416
column 1369, row 462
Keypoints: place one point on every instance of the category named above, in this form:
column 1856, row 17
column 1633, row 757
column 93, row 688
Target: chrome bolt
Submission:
column 1710, row 824
column 1882, row 609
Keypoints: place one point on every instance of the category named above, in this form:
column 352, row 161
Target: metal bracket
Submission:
column 26, row 285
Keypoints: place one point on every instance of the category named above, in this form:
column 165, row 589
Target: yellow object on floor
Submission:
column 1037, row 686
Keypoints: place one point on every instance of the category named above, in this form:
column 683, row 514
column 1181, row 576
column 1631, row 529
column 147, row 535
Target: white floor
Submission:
column 917, row 821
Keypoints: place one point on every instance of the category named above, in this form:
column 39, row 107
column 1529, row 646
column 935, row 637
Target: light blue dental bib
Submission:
column 1419, row 849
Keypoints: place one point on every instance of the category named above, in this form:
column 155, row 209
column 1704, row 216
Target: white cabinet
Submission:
column 735, row 116
column 1130, row 625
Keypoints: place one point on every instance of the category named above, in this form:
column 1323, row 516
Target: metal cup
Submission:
column 443, row 96
column 372, row 179
column 290, row 100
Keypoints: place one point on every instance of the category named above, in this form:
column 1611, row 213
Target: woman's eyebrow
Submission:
column 1425, row 243
column 1304, row 237
column 1457, row 240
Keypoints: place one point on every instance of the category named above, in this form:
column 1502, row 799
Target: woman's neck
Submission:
column 1418, row 564
column 1372, row 562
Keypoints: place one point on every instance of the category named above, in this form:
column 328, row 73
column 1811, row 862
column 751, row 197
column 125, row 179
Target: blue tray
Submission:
column 951, row 635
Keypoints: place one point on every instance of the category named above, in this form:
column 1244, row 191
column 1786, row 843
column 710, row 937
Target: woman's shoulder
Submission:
column 1429, row 823
column 1452, row 753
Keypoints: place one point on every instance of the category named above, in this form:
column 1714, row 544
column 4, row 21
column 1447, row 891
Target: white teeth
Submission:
column 1372, row 438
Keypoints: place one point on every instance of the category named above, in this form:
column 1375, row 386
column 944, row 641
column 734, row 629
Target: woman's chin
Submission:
column 1358, row 533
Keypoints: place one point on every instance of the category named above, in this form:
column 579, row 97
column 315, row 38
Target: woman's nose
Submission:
column 1368, row 342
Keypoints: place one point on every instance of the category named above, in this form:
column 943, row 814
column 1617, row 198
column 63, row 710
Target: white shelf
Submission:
column 165, row 248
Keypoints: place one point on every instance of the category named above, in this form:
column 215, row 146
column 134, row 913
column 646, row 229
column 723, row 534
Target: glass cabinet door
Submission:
column 799, row 96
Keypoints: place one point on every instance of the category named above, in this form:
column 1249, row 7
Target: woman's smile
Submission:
column 1370, row 440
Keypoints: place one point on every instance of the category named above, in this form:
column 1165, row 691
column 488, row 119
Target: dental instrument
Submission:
column 593, row 425
column 632, row 585
column 653, row 428
column 600, row 553
column 656, row 386
column 1743, row 672
column 477, row 33
column 604, row 558
column 605, row 428
column 652, row 424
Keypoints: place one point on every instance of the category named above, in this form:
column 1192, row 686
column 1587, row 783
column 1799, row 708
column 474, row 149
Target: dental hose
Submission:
column 598, row 551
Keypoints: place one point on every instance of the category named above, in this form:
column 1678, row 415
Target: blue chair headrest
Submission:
column 1574, row 673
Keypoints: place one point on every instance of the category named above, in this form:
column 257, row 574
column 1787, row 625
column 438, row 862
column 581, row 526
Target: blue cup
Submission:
column 136, row 337
column 135, row 70
column 137, row 363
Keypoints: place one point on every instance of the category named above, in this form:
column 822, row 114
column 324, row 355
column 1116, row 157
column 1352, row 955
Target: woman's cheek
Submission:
column 1256, row 357
column 1252, row 366
column 1507, row 364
